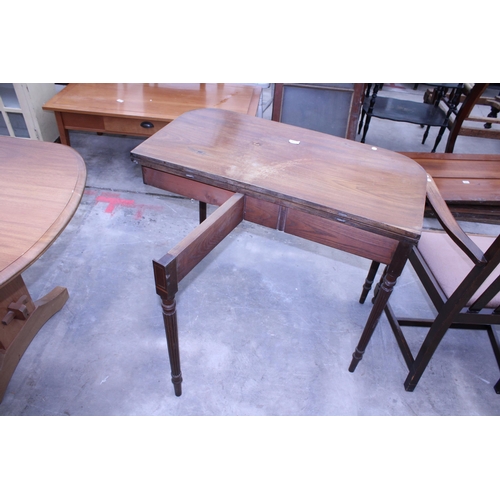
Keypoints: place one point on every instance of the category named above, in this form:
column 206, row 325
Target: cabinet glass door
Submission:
column 11, row 116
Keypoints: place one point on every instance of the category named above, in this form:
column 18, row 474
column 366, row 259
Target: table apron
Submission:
column 311, row 227
column 111, row 124
column 344, row 237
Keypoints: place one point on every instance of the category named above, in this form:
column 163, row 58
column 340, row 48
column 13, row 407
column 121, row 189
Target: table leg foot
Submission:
column 20, row 332
column 357, row 356
column 177, row 381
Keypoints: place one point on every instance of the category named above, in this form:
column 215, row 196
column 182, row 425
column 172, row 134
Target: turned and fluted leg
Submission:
column 170, row 322
column 384, row 290
column 165, row 271
column 383, row 293
column 176, row 264
column 369, row 281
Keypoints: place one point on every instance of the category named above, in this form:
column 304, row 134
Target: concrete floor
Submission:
column 267, row 322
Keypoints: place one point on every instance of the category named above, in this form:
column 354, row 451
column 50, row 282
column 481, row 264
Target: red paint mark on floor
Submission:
column 114, row 200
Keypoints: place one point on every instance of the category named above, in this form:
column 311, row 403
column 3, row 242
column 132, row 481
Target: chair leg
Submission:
column 398, row 334
column 428, row 348
column 438, row 139
column 492, row 114
column 496, row 351
column 426, row 133
column 494, row 343
column 431, row 343
column 363, row 113
column 365, row 129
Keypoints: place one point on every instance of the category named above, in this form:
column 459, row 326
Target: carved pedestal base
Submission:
column 21, row 318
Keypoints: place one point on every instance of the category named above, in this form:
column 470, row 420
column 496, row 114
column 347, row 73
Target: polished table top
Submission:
column 153, row 101
column 353, row 183
column 41, row 186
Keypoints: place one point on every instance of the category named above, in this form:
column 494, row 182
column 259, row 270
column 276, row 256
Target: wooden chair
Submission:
column 461, row 275
column 470, row 121
column 401, row 110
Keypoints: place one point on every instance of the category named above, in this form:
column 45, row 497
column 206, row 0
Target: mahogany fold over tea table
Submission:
column 41, row 187
column 350, row 196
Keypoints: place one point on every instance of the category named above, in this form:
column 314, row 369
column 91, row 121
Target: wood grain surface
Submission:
column 370, row 188
column 41, row 186
column 160, row 101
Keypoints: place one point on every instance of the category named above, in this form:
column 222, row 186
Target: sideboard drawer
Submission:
column 132, row 126
column 77, row 121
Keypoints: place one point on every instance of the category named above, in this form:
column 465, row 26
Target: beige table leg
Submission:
column 21, row 319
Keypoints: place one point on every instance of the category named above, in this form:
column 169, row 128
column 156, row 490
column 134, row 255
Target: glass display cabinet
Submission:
column 21, row 113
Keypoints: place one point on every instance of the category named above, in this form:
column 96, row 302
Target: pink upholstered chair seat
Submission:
column 450, row 265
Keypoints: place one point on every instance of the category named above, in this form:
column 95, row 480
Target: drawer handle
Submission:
column 147, row 125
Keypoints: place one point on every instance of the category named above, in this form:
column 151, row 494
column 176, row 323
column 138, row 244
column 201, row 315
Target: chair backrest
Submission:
column 463, row 113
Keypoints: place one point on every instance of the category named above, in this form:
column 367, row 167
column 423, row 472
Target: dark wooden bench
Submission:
column 470, row 183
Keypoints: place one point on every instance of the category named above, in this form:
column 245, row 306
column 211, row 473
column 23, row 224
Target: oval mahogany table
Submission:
column 41, row 187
